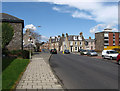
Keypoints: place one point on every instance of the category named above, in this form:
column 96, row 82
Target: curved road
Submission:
column 82, row 72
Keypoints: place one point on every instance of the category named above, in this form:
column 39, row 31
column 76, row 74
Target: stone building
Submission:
column 107, row 40
column 73, row 42
column 70, row 42
column 18, row 24
column 89, row 44
column 54, row 43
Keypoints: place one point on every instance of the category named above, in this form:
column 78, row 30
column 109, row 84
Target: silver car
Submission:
column 92, row 53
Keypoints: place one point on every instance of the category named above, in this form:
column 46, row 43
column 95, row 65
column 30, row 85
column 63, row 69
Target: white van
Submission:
column 110, row 54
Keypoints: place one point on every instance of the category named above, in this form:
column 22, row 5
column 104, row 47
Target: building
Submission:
column 45, row 45
column 89, row 44
column 54, row 43
column 28, row 41
column 73, row 42
column 70, row 42
column 18, row 24
column 107, row 40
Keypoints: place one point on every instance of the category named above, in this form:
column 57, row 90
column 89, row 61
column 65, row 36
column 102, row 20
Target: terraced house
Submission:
column 54, row 42
column 73, row 42
column 70, row 42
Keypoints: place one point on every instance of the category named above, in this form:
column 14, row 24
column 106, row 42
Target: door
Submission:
column 71, row 48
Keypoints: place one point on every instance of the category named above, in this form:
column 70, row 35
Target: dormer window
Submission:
column 80, row 38
column 75, row 37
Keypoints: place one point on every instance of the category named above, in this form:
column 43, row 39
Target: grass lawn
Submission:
column 11, row 72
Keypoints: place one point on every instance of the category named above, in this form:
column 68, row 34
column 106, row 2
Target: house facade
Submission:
column 73, row 42
column 54, row 43
column 70, row 42
column 89, row 44
column 18, row 24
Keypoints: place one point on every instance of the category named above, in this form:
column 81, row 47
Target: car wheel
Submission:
column 103, row 56
column 111, row 58
column 119, row 62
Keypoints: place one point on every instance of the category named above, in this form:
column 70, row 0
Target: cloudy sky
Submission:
column 65, row 16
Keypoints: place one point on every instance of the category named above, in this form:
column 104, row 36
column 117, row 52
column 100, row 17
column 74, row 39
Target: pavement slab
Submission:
column 38, row 75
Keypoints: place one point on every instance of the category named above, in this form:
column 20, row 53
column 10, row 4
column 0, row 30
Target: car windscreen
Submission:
column 92, row 51
column 113, row 52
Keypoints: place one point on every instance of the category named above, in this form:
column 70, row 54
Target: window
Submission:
column 105, row 34
column 75, row 48
column 106, row 38
column 75, row 37
column 75, row 43
column 80, row 38
column 71, row 43
column 106, row 42
column 80, row 43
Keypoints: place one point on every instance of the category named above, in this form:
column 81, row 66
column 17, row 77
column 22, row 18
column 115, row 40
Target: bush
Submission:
column 20, row 53
column 7, row 34
column 5, row 52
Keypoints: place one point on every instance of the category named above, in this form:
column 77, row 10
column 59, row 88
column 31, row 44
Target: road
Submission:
column 82, row 72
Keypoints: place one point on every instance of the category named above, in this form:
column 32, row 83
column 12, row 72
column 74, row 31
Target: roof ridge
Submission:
column 11, row 16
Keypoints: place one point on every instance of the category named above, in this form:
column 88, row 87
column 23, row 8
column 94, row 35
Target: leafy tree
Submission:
column 7, row 34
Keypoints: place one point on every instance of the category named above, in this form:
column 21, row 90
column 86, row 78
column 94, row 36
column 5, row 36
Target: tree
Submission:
column 7, row 34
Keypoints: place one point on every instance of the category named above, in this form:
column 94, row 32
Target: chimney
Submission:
column 89, row 37
column 66, row 34
column 62, row 34
column 58, row 35
column 81, row 33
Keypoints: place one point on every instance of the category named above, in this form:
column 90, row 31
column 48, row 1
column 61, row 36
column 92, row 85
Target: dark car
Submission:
column 118, row 58
column 66, row 52
column 80, row 50
column 53, row 51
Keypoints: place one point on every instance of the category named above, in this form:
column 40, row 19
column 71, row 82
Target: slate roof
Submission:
column 9, row 18
column 71, row 38
column 90, row 40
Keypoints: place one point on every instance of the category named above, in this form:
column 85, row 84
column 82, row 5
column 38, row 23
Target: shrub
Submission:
column 5, row 52
column 7, row 34
column 20, row 53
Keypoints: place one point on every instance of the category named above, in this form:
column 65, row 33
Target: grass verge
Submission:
column 11, row 74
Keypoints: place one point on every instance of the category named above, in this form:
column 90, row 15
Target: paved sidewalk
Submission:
column 38, row 75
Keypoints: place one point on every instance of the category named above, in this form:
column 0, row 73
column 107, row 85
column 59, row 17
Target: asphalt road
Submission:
column 82, row 72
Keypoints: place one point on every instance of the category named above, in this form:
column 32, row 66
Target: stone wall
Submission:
column 17, row 41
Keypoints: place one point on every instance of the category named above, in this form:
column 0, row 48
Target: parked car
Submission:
column 53, row 51
column 85, row 52
column 118, row 58
column 109, row 54
column 66, row 52
column 80, row 50
column 92, row 53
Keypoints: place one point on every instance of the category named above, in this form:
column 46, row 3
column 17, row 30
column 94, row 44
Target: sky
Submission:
column 64, row 16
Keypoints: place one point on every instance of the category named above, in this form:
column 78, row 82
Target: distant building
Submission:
column 107, row 40
column 73, row 42
column 89, row 44
column 54, row 43
column 45, row 45
column 70, row 42
column 18, row 24
column 28, row 41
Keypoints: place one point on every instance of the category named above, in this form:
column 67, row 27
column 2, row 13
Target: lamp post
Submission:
column 30, row 39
